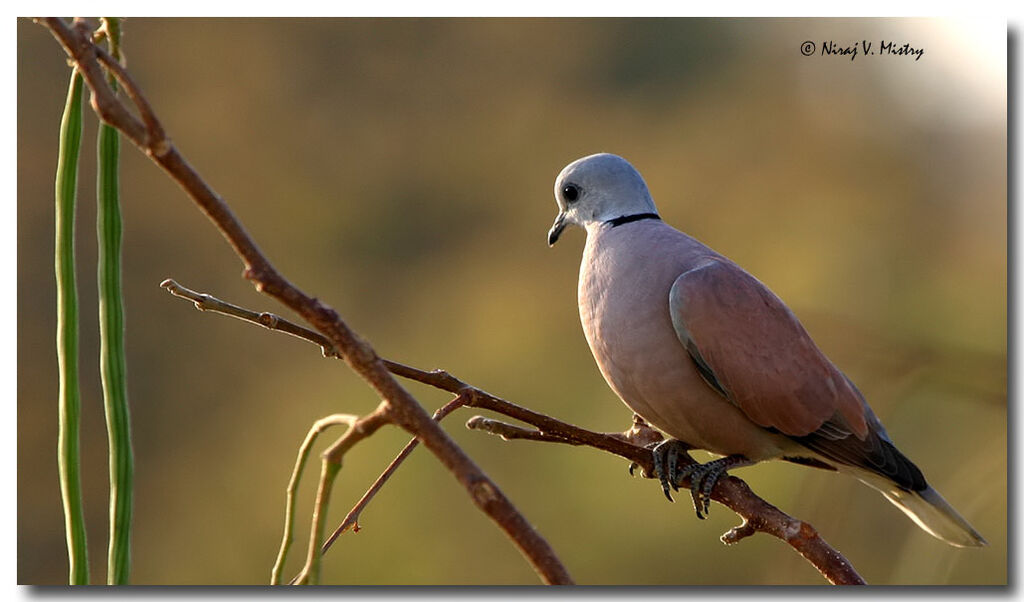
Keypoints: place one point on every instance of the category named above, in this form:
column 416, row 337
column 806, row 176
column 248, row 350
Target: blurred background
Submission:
column 401, row 171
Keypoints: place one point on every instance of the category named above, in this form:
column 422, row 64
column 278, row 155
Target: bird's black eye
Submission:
column 570, row 192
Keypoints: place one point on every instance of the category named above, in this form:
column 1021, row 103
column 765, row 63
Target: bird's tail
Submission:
column 928, row 509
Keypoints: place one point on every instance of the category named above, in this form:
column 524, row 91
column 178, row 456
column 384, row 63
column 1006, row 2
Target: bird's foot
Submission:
column 667, row 447
column 702, row 476
column 666, row 460
column 666, row 463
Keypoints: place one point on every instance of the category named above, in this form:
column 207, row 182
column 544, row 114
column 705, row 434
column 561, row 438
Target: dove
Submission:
column 707, row 354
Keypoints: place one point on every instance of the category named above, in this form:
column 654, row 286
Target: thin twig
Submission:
column 205, row 302
column 105, row 102
column 509, row 432
column 351, row 520
column 157, row 143
column 330, row 466
column 293, row 484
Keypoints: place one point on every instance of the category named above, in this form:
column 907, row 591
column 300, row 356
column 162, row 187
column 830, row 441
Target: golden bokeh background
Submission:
column 401, row 171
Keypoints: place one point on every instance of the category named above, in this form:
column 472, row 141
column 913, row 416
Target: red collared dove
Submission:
column 703, row 351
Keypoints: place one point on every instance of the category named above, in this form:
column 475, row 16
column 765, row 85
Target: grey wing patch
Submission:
column 705, row 371
column 683, row 333
column 702, row 366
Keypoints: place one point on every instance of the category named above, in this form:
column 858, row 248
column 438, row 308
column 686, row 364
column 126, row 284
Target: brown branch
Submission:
column 757, row 514
column 406, row 411
column 78, row 44
column 732, row 492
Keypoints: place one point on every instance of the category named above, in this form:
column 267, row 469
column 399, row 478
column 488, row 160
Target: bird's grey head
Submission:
column 597, row 189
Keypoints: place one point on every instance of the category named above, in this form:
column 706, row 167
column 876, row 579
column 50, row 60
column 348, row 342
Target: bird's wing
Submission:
column 875, row 452
column 751, row 348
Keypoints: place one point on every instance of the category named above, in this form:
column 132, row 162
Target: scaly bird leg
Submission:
column 702, row 476
column 666, row 463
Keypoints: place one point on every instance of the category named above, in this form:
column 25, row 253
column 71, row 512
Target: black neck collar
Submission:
column 625, row 219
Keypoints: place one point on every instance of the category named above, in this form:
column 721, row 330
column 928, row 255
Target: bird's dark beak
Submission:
column 556, row 229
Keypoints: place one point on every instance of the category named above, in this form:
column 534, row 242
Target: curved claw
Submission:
column 666, row 464
column 708, row 484
column 702, row 476
column 634, row 465
column 701, row 486
column 696, row 472
column 672, row 468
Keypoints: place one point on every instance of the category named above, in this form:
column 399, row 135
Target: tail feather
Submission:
column 929, row 510
column 875, row 461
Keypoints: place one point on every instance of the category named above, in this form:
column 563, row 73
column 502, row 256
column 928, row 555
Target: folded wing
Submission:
column 751, row 348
